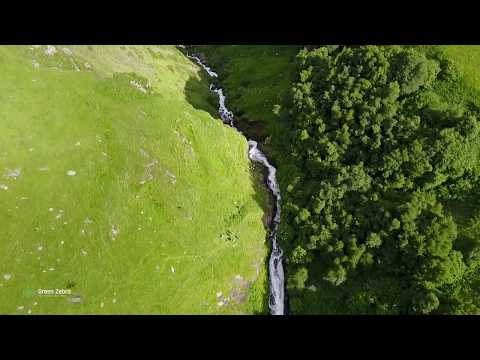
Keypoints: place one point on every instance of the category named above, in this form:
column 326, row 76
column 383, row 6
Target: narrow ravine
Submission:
column 275, row 267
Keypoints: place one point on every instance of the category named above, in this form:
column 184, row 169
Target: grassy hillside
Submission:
column 467, row 58
column 114, row 186
column 464, row 91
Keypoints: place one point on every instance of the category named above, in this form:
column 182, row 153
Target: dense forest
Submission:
column 379, row 165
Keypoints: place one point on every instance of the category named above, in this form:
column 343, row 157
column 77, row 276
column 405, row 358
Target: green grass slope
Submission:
column 115, row 188
column 467, row 58
column 464, row 91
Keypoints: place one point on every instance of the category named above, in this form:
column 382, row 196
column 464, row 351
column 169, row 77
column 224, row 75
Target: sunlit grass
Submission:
column 138, row 227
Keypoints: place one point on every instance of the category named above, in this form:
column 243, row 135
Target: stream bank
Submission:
column 277, row 288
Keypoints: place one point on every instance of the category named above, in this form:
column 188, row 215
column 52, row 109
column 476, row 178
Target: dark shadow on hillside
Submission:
column 198, row 94
column 264, row 198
